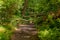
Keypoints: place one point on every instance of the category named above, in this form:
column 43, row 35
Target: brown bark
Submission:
column 25, row 7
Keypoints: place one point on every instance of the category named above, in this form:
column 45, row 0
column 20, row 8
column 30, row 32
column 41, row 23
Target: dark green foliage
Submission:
column 36, row 11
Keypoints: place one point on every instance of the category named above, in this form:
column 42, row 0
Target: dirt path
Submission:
column 26, row 32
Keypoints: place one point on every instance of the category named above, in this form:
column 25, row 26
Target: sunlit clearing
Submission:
column 2, row 29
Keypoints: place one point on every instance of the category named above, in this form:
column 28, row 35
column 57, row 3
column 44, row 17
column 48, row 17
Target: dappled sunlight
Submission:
column 1, row 2
column 44, row 33
column 30, row 19
column 2, row 29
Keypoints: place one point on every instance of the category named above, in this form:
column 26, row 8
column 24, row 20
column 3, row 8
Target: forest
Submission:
column 43, row 14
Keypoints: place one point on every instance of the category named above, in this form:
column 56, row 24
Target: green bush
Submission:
column 5, row 34
column 49, row 34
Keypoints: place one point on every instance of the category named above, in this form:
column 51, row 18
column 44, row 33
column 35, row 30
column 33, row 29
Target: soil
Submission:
column 29, row 33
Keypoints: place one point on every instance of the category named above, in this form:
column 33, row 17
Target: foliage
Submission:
column 50, row 34
column 44, row 14
column 4, row 33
